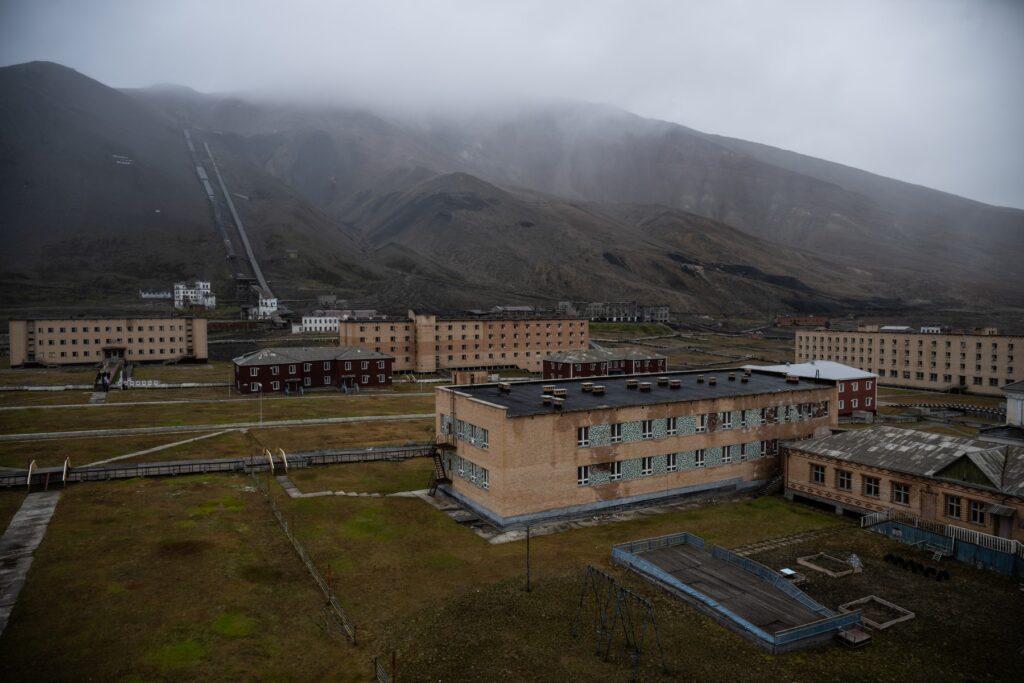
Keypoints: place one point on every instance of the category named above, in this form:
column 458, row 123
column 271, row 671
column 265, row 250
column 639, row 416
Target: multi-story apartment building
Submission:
column 327, row 320
column 616, row 311
column 598, row 362
column 978, row 362
column 295, row 370
column 198, row 293
column 521, row 452
column 857, row 390
column 429, row 342
column 70, row 341
column 939, row 478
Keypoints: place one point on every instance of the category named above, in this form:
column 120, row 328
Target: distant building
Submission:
column 801, row 321
column 300, row 369
column 857, row 390
column 523, row 452
column 70, row 341
column 155, row 294
column 1013, row 431
column 616, row 311
column 938, row 478
column 197, row 293
column 981, row 362
column 265, row 305
column 327, row 321
column 427, row 342
column 600, row 362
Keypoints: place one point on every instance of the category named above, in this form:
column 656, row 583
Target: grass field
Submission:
column 211, row 371
column 35, row 420
column 368, row 477
column 232, row 444
column 626, row 330
column 189, row 579
column 39, row 376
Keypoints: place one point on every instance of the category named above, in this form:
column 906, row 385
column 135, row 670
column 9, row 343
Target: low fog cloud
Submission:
column 924, row 91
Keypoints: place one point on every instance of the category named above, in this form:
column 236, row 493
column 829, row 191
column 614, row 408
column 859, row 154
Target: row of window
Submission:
column 114, row 328
column 855, row 403
column 854, row 386
column 705, row 422
column 140, row 340
column 465, row 431
column 635, row 468
column 132, row 353
column 275, row 385
column 476, row 326
column 308, row 367
column 899, row 493
column 813, row 343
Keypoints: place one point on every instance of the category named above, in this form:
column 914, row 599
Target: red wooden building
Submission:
column 858, row 390
column 601, row 362
column 301, row 369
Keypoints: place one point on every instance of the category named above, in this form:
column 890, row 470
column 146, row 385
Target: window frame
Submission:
column 583, row 475
column 583, row 436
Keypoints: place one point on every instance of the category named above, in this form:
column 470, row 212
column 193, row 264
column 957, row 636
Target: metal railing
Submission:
column 1008, row 546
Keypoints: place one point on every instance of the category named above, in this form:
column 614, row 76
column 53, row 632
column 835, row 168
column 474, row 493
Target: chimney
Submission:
column 732, row 376
column 558, row 402
column 632, row 383
column 745, row 379
column 505, row 387
column 598, row 390
column 546, row 398
column 700, row 379
column 587, row 387
column 645, row 387
column 561, row 391
column 675, row 384
column 712, row 380
column 548, row 388
column 663, row 381
column 792, row 379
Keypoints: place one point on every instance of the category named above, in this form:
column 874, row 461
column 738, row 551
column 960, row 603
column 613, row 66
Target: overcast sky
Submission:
column 928, row 91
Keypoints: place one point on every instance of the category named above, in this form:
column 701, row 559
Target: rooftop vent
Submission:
column 645, row 386
column 561, row 391
column 745, row 379
column 675, row 384
column 732, row 376
column 632, row 383
column 700, row 379
column 548, row 388
column 712, row 380
column 746, row 372
column 546, row 398
column 587, row 386
column 598, row 390
column 557, row 402
column 663, row 381
column 504, row 386
column 792, row 379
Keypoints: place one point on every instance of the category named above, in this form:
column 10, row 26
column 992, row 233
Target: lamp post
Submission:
column 527, row 558
column 259, row 388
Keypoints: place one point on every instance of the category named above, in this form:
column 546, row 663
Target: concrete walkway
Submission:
column 178, row 429
column 293, row 491
column 155, row 449
column 19, row 542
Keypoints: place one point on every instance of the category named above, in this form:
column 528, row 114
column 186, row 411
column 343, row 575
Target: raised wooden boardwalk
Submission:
column 19, row 542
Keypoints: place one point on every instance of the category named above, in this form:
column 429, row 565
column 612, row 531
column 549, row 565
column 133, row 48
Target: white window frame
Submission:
column 900, row 493
column 700, row 458
column 671, row 462
column 254, row 372
column 702, row 423
column 254, row 386
column 840, row 475
column 646, row 466
column 671, row 426
column 582, row 437
column 306, row 367
column 327, row 365
column 327, row 380
column 275, row 369
column 867, row 402
column 616, row 432
column 380, row 365
column 725, row 420
column 365, row 365
column 853, row 403
column 583, row 475
column 307, row 381
column 275, row 385
column 818, row 473
column 485, row 478
column 856, row 385
column 291, row 369
column 380, row 379
column 647, row 429
column 726, row 455
column 615, row 470
column 842, row 404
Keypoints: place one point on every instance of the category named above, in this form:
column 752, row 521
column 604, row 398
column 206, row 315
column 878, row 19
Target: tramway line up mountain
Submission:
column 536, row 202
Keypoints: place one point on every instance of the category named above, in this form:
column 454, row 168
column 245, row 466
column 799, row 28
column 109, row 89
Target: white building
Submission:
column 266, row 305
column 198, row 293
column 328, row 320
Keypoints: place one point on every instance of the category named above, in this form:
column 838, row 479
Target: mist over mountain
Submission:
column 535, row 202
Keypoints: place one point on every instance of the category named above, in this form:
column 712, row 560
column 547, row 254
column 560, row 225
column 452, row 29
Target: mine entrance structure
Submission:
column 613, row 605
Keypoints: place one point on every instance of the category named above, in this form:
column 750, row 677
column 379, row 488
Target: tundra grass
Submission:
column 366, row 477
column 33, row 420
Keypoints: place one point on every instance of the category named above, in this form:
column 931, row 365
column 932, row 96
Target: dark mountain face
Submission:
column 541, row 203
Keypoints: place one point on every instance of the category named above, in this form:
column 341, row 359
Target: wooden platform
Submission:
column 748, row 596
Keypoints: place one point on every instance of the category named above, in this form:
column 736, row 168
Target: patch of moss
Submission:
column 233, row 624
column 183, row 654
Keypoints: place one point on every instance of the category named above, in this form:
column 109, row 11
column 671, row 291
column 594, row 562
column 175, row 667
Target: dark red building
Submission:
column 601, row 362
column 801, row 321
column 301, row 369
column 857, row 389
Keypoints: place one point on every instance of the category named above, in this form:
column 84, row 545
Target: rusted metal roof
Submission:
column 922, row 453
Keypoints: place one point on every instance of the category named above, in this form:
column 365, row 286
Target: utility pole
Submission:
column 527, row 558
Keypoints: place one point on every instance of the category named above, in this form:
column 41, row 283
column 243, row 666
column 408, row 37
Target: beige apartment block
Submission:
column 70, row 341
column 528, row 451
column 427, row 342
column 941, row 479
column 979, row 363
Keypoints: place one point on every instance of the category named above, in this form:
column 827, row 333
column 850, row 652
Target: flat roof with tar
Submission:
column 525, row 397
